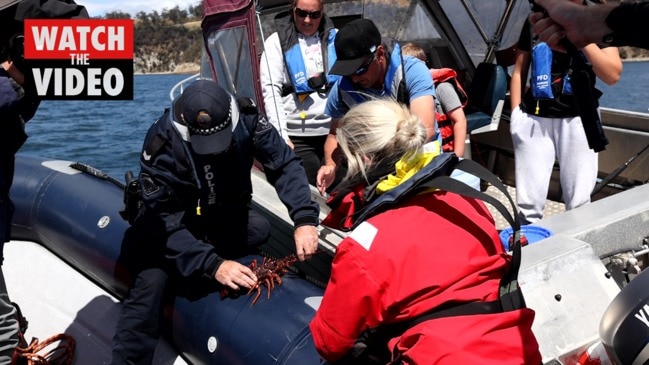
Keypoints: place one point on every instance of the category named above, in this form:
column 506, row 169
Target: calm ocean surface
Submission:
column 108, row 134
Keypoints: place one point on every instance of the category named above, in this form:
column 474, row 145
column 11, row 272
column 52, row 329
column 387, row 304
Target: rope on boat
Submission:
column 55, row 350
column 96, row 173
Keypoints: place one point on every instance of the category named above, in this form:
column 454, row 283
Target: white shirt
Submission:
column 288, row 114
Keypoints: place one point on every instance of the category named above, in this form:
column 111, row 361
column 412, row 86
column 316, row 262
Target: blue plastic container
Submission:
column 531, row 232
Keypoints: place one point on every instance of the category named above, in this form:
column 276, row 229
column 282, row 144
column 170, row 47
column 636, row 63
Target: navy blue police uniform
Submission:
column 196, row 213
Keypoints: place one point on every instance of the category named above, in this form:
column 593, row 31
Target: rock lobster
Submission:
column 268, row 272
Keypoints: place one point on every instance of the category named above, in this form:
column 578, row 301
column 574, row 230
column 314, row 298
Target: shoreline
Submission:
column 636, row 59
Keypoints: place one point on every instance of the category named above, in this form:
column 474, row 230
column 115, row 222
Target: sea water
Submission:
column 107, row 135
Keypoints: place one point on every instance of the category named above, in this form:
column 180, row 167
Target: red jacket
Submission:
column 431, row 249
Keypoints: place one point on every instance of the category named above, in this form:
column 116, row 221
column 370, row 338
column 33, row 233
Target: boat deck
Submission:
column 56, row 298
column 551, row 207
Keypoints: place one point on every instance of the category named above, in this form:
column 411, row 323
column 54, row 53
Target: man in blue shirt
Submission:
column 373, row 68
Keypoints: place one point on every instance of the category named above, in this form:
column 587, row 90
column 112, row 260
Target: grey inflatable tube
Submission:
column 76, row 215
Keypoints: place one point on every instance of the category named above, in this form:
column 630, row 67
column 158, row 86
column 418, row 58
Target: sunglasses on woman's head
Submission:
column 311, row 14
column 365, row 66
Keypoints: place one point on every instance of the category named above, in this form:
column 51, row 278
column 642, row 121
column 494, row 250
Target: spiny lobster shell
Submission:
column 268, row 273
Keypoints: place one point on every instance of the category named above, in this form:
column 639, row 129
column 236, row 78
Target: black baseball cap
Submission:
column 207, row 112
column 354, row 43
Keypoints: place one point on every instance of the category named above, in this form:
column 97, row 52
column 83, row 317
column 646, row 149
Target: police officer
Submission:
column 196, row 216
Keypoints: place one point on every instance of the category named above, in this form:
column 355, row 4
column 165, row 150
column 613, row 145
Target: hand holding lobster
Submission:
column 267, row 274
column 234, row 275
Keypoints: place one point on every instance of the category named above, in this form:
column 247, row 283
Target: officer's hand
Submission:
column 326, row 177
column 306, row 241
column 235, row 275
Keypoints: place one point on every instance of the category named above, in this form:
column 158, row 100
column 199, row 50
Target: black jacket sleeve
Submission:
column 284, row 170
column 167, row 184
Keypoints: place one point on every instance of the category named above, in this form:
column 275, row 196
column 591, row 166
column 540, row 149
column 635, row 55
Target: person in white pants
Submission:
column 545, row 129
column 538, row 141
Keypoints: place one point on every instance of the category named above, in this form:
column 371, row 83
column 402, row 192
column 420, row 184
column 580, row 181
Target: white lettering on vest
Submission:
column 642, row 315
column 209, row 176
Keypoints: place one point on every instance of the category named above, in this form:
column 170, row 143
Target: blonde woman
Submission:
column 434, row 250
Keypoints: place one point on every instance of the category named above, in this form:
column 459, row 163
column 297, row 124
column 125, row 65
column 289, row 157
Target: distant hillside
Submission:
column 167, row 47
column 630, row 53
column 169, row 41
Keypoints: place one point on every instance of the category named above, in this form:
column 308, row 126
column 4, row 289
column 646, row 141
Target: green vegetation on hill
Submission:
column 169, row 41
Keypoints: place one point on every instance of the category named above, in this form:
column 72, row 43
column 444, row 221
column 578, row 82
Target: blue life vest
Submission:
column 293, row 59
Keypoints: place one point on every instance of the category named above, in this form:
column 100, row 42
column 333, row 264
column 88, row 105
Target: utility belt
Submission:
column 133, row 203
column 132, row 198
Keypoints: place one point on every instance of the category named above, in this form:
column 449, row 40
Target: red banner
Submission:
column 80, row 59
column 78, row 39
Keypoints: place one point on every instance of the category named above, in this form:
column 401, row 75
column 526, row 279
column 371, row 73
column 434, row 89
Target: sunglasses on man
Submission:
column 311, row 14
column 365, row 66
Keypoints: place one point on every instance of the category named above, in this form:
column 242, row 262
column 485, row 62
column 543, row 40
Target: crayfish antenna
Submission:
column 256, row 297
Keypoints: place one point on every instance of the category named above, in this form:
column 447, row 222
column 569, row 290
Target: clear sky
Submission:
column 101, row 7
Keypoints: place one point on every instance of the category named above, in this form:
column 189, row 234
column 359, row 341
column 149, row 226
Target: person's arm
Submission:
column 331, row 157
column 580, row 24
column 272, row 77
column 283, row 169
column 350, row 304
column 336, row 108
column 192, row 256
column 452, row 108
column 421, row 91
column 458, row 118
column 327, row 172
column 519, row 78
column 522, row 60
column 606, row 62
column 424, row 108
